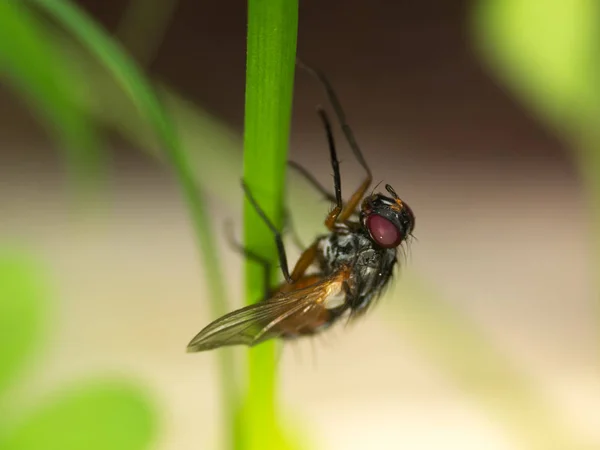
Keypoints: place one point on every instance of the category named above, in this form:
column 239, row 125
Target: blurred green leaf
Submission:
column 546, row 52
column 22, row 305
column 99, row 416
column 33, row 66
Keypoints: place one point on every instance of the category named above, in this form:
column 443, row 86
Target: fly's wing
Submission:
column 259, row 322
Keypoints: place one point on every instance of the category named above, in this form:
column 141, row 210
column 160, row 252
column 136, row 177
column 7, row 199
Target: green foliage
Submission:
column 98, row 415
column 21, row 313
column 272, row 32
column 547, row 52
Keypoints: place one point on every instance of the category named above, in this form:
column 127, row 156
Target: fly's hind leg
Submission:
column 340, row 213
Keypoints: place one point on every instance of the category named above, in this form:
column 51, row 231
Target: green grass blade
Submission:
column 96, row 415
column 31, row 64
column 124, row 70
column 272, row 33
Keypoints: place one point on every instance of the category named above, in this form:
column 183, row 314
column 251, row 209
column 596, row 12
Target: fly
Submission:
column 342, row 273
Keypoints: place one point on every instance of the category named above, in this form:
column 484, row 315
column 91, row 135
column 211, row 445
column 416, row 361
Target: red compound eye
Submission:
column 383, row 232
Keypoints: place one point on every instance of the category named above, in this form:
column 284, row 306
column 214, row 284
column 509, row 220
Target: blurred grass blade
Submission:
column 32, row 65
column 271, row 53
column 135, row 85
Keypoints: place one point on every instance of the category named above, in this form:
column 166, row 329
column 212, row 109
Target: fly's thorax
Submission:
column 337, row 249
column 371, row 267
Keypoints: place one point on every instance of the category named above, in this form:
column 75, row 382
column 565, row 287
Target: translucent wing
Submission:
column 285, row 313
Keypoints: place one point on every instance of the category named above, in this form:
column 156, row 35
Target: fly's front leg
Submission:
column 341, row 212
column 335, row 165
column 354, row 201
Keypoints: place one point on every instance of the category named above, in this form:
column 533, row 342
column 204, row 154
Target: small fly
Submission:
column 341, row 274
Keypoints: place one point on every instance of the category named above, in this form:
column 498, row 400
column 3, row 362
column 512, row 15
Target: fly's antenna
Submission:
column 375, row 187
column 391, row 190
column 339, row 112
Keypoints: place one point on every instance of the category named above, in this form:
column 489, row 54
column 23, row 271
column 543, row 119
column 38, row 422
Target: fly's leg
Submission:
column 335, row 165
column 341, row 213
column 252, row 256
column 307, row 257
column 312, row 181
column 276, row 234
column 288, row 228
column 354, row 201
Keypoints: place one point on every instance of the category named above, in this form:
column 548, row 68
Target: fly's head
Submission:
column 388, row 221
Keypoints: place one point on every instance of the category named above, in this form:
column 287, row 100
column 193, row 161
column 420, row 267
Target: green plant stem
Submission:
column 272, row 33
column 124, row 70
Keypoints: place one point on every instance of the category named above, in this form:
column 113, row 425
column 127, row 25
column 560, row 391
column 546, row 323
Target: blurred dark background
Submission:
column 405, row 70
